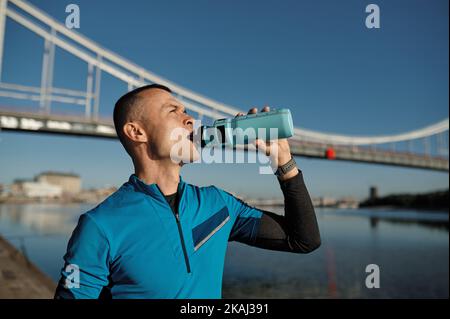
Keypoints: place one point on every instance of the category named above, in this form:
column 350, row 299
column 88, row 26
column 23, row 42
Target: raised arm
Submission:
column 297, row 231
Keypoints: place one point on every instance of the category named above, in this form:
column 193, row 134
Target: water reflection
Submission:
column 411, row 249
column 41, row 219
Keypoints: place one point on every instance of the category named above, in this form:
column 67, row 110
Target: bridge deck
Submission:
column 78, row 126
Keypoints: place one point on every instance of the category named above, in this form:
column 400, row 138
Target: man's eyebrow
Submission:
column 169, row 104
column 173, row 103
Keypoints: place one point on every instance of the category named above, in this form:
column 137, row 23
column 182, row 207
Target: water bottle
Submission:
column 241, row 130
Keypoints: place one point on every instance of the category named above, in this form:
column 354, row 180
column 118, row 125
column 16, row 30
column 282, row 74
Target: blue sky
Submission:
column 315, row 57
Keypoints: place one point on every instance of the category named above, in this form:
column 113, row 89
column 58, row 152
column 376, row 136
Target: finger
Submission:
column 253, row 110
column 261, row 145
column 273, row 148
column 267, row 148
column 264, row 146
column 255, row 143
column 265, row 109
column 239, row 114
column 252, row 146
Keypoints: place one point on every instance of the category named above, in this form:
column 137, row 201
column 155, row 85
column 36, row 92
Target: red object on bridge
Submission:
column 330, row 153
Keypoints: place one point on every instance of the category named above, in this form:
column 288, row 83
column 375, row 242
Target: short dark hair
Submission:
column 126, row 104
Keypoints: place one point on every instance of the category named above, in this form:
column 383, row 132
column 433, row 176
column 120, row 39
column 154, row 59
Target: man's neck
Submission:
column 165, row 174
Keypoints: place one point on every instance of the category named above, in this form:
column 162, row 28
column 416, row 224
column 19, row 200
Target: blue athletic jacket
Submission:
column 134, row 244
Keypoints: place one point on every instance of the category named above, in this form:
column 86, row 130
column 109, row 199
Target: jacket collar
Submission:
column 152, row 189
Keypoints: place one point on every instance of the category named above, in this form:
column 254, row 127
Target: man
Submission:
column 160, row 237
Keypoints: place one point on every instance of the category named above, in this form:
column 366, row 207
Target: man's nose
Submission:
column 188, row 121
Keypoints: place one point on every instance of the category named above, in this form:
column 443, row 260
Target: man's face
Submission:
column 167, row 126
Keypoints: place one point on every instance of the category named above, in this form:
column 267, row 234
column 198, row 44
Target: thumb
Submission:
column 261, row 145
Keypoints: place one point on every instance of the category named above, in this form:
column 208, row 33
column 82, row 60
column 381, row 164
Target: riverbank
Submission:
column 21, row 279
column 85, row 196
column 433, row 201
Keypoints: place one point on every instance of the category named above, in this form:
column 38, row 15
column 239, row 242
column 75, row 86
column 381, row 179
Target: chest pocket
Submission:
column 204, row 231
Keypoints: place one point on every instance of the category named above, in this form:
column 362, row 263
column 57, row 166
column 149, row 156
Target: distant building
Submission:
column 16, row 188
column 69, row 183
column 373, row 192
column 324, row 201
column 347, row 202
column 35, row 189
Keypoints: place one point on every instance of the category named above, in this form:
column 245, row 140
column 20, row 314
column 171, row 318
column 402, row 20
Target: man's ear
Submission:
column 134, row 132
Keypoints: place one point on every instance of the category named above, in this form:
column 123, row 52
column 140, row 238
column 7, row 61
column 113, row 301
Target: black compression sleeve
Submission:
column 296, row 231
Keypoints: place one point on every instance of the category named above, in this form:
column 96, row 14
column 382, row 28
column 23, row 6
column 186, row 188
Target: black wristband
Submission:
column 283, row 169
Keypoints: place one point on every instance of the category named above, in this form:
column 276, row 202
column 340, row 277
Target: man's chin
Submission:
column 184, row 153
column 187, row 159
column 192, row 159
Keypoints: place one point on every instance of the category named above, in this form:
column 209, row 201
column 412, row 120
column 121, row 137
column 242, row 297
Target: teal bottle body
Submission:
column 241, row 130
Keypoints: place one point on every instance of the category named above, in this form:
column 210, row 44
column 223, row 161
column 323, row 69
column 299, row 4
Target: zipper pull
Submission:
column 177, row 217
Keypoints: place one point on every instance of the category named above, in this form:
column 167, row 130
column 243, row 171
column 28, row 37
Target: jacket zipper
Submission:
column 180, row 231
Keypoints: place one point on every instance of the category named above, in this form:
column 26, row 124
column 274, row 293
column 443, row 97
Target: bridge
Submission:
column 426, row 148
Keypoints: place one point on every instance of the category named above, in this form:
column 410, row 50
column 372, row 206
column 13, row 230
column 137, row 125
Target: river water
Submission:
column 410, row 249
